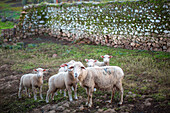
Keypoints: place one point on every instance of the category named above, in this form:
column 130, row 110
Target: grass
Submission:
column 7, row 11
column 145, row 71
column 6, row 25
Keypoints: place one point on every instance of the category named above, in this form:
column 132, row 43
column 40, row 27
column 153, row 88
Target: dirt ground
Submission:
column 9, row 82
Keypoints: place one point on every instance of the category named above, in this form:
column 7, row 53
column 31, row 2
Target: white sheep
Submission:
column 32, row 80
column 64, row 68
column 106, row 59
column 62, row 80
column 91, row 62
column 104, row 78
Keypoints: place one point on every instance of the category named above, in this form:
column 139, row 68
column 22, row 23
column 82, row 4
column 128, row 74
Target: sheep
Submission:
column 104, row 78
column 62, row 80
column 106, row 59
column 64, row 68
column 91, row 63
column 32, row 80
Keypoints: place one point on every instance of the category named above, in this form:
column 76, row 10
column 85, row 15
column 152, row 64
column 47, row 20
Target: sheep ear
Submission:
column 71, row 67
column 44, row 70
column 102, row 56
column 86, row 60
column 63, row 65
column 83, row 67
column 110, row 56
column 95, row 61
column 35, row 70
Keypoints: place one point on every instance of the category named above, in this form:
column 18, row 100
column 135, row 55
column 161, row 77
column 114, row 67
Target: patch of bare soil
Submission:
column 9, row 82
column 44, row 39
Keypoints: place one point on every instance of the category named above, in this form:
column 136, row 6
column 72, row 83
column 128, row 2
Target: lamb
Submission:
column 64, row 68
column 91, row 63
column 62, row 80
column 104, row 78
column 32, row 80
column 106, row 59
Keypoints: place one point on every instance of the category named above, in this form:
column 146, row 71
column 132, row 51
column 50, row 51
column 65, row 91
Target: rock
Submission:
column 149, row 44
column 46, row 107
column 54, row 55
column 168, row 44
column 132, row 44
column 149, row 99
column 66, row 111
column 60, row 108
column 100, row 110
column 168, row 50
column 81, row 107
column 52, row 111
column 74, row 111
column 143, row 96
column 147, row 103
column 36, row 111
column 131, row 105
column 130, row 93
column 110, row 111
column 164, row 47
column 54, row 106
column 134, row 95
column 97, row 107
column 66, row 105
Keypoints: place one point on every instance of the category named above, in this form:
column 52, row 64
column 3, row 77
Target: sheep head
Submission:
column 106, row 58
column 40, row 71
column 90, row 62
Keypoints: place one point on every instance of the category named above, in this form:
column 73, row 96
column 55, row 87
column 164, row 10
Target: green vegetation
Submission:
column 6, row 25
column 143, row 69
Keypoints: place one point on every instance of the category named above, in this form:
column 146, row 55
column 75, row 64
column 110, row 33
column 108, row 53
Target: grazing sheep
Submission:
column 62, row 80
column 104, row 78
column 106, row 59
column 32, row 80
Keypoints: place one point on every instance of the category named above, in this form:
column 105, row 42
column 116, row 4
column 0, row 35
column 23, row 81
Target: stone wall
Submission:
column 131, row 25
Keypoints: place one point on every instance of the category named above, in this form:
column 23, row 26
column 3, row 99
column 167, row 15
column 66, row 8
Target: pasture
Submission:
column 146, row 82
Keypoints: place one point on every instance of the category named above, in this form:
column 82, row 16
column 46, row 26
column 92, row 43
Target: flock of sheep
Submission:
column 97, row 75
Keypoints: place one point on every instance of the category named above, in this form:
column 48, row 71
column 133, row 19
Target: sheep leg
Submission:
column 35, row 92
column 47, row 96
column 20, row 88
column 113, row 93
column 53, row 92
column 52, row 96
column 75, row 91
column 41, row 93
column 70, row 93
column 72, row 88
column 120, row 87
column 87, row 92
column 26, row 91
column 65, row 92
column 60, row 91
column 29, row 93
column 90, row 97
